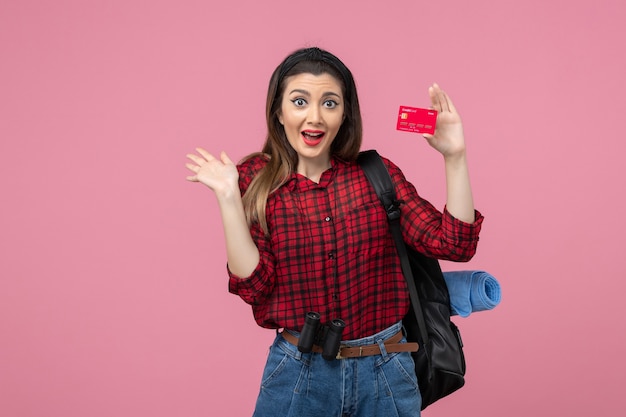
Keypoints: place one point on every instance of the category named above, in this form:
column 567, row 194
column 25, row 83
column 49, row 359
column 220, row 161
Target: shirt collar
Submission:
column 297, row 182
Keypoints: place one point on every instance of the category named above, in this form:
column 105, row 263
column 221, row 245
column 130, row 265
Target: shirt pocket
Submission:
column 367, row 229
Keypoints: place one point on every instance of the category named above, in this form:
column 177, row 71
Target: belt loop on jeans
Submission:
column 383, row 350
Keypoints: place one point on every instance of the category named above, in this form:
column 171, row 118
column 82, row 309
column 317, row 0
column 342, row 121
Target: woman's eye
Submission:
column 299, row 102
column 330, row 104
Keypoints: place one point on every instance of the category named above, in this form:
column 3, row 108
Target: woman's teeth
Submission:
column 312, row 138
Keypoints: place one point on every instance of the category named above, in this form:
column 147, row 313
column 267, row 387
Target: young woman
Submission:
column 306, row 233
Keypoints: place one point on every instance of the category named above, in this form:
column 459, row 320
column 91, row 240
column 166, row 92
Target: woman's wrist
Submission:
column 457, row 159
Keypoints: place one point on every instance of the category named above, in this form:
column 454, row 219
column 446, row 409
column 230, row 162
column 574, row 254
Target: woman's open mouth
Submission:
column 312, row 137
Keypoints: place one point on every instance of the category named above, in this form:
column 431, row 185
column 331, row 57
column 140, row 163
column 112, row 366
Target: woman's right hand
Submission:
column 220, row 175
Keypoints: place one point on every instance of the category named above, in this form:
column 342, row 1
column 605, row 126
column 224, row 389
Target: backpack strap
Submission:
column 377, row 174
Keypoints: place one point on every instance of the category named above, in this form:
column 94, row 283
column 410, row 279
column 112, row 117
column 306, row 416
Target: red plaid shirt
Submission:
column 330, row 250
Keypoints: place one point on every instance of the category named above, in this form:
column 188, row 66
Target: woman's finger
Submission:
column 441, row 97
column 206, row 155
column 226, row 159
column 196, row 159
column 444, row 99
column 192, row 167
column 450, row 105
column 434, row 98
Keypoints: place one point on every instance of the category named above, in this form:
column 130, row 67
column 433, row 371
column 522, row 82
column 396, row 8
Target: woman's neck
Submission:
column 313, row 170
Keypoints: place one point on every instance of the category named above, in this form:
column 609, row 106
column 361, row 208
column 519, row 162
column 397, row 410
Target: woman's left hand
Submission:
column 448, row 138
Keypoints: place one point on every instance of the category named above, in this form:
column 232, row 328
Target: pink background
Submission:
column 113, row 289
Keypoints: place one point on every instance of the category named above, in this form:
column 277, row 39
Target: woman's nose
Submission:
column 314, row 115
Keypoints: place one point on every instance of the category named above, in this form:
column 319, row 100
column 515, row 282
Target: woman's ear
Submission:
column 280, row 118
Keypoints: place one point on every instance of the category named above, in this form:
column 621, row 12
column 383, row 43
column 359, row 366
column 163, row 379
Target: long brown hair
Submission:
column 282, row 158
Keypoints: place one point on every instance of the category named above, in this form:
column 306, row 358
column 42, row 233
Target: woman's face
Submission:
column 312, row 111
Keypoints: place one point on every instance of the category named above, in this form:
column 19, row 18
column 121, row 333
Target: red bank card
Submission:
column 414, row 119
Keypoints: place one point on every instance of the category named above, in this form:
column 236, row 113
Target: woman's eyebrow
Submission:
column 297, row 90
column 306, row 93
column 330, row 93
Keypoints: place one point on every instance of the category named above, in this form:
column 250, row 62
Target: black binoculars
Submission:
column 328, row 336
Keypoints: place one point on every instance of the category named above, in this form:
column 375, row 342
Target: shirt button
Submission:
column 327, row 218
column 331, row 255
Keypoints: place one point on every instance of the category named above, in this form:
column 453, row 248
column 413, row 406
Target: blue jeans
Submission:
column 296, row 384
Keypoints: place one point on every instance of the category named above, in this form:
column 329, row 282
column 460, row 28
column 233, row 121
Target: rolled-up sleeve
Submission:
column 252, row 289
column 257, row 287
column 430, row 231
column 460, row 235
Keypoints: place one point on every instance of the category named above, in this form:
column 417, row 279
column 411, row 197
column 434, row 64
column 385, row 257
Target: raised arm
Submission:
column 449, row 140
column 221, row 176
